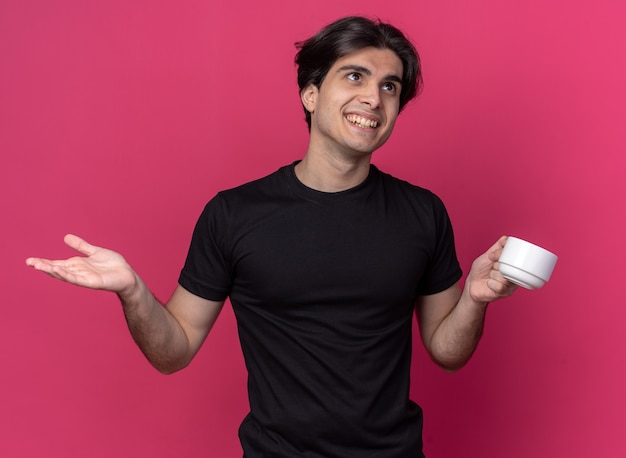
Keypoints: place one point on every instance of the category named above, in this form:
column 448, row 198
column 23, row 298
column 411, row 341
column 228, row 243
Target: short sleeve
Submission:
column 443, row 269
column 206, row 272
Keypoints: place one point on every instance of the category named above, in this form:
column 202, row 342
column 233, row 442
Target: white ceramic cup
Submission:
column 525, row 264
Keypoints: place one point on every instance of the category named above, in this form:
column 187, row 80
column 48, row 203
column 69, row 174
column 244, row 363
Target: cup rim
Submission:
column 531, row 244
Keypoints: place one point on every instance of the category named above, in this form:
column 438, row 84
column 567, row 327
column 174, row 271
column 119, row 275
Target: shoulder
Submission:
column 261, row 189
column 262, row 183
column 408, row 192
column 246, row 203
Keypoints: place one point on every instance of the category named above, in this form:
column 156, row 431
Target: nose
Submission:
column 370, row 95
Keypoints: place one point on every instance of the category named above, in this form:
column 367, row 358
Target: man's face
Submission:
column 355, row 109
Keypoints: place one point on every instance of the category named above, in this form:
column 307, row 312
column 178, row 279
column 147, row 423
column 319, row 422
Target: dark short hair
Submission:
column 350, row 34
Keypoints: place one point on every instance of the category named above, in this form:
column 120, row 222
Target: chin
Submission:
column 368, row 148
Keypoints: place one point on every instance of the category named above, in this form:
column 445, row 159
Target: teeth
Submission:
column 362, row 122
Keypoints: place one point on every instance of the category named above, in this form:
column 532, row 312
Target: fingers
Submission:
column 500, row 285
column 36, row 263
column 488, row 283
column 73, row 270
column 46, row 266
column 55, row 267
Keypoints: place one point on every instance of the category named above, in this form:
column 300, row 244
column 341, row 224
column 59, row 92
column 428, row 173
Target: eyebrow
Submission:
column 368, row 72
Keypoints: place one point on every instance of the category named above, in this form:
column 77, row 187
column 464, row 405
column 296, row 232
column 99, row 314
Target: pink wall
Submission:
column 120, row 119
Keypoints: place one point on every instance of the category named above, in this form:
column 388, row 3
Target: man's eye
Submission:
column 390, row 87
column 354, row 76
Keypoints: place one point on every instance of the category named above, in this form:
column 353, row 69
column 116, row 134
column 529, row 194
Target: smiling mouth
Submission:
column 361, row 121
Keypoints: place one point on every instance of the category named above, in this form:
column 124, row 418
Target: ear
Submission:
column 308, row 95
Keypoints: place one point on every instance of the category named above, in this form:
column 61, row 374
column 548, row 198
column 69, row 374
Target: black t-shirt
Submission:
column 323, row 286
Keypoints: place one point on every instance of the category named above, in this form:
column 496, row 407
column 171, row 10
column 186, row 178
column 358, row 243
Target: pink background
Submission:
column 120, row 119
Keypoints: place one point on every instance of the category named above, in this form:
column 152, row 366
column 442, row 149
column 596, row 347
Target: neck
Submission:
column 331, row 174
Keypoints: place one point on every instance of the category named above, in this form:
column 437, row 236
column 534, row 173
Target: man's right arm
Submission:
column 169, row 336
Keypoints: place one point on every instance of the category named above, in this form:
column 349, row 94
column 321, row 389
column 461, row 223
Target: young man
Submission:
column 325, row 262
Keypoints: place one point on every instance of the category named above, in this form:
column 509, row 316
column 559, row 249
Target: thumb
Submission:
column 496, row 249
column 79, row 244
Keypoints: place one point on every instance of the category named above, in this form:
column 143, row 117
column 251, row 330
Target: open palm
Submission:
column 98, row 268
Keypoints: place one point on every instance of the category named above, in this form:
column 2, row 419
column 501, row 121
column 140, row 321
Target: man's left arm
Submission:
column 451, row 322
